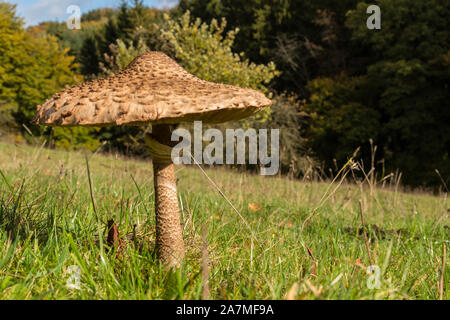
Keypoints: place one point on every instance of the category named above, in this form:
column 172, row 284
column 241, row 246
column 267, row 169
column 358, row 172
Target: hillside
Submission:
column 48, row 225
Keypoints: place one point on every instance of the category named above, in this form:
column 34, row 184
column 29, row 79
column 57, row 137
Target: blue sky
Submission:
column 35, row 11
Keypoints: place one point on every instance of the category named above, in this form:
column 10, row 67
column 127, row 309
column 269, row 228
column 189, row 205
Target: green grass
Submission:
column 48, row 223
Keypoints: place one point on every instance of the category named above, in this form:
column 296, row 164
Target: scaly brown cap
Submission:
column 152, row 89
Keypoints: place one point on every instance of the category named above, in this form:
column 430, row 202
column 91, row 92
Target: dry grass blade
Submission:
column 12, row 275
column 140, row 193
column 328, row 195
column 442, row 180
column 316, row 291
column 292, row 293
column 27, row 129
column 314, row 264
column 227, row 200
column 336, row 280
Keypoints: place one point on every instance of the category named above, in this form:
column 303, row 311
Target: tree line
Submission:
column 336, row 84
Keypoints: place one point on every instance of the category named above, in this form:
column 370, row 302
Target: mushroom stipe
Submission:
column 153, row 89
column 169, row 234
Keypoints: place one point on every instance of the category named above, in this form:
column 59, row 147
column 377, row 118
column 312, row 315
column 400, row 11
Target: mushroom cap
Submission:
column 154, row 89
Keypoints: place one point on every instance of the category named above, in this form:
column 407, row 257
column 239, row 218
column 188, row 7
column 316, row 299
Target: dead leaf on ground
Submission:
column 254, row 207
column 113, row 239
column 287, row 224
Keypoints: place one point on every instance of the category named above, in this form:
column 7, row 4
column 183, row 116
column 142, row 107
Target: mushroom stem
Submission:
column 169, row 236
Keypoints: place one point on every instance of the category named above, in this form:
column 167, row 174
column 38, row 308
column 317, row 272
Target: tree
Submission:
column 122, row 55
column 90, row 57
column 31, row 68
column 125, row 23
column 342, row 118
column 400, row 99
column 288, row 32
column 205, row 51
column 129, row 24
column 411, row 72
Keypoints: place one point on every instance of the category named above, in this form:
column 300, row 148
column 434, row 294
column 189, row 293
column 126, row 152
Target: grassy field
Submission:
column 303, row 239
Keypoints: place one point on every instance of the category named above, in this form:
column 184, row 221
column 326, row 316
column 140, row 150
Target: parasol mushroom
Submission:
column 154, row 90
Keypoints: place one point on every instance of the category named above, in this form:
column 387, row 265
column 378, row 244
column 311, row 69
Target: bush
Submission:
column 205, row 51
column 31, row 68
column 73, row 138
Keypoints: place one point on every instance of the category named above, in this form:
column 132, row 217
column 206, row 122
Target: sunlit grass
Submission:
column 48, row 223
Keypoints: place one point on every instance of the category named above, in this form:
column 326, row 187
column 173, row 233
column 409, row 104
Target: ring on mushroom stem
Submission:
column 153, row 89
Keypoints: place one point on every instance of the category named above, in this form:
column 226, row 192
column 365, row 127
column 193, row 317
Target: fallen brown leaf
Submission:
column 254, row 207
column 113, row 239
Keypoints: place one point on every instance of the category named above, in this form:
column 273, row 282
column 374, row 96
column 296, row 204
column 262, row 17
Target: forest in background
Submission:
column 336, row 85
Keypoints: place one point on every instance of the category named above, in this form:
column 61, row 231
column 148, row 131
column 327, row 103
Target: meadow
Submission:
column 287, row 239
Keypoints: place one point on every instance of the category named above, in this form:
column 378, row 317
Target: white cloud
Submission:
column 166, row 4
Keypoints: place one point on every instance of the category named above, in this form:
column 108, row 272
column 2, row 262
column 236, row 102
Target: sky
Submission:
column 35, row 11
